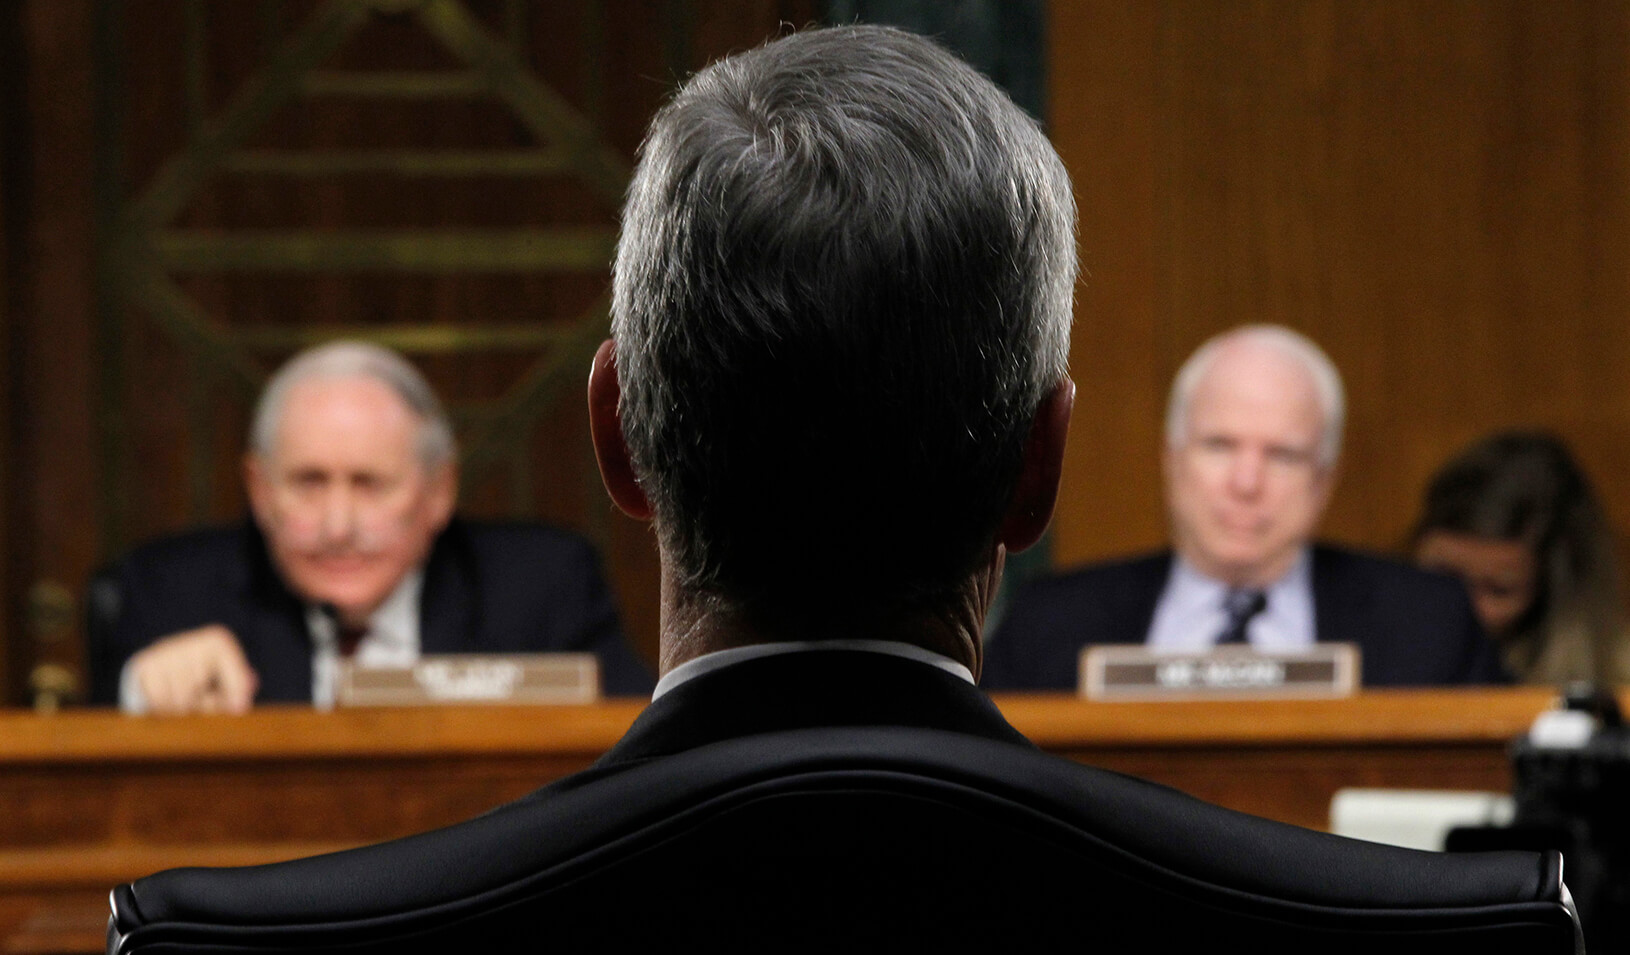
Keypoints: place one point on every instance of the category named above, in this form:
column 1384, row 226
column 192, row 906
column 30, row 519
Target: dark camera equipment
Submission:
column 1572, row 793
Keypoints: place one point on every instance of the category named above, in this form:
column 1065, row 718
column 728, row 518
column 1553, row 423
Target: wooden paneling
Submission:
column 11, row 130
column 79, row 493
column 52, row 537
column 1436, row 192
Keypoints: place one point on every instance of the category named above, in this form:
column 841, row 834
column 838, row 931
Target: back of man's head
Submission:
column 843, row 287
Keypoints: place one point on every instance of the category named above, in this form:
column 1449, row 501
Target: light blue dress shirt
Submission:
column 1191, row 613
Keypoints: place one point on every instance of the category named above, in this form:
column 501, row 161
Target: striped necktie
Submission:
column 1241, row 605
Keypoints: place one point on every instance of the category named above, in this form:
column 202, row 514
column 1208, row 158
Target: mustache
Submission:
column 317, row 542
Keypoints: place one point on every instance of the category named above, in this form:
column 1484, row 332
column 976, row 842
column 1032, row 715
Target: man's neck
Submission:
column 695, row 624
column 1254, row 577
column 1260, row 577
column 399, row 609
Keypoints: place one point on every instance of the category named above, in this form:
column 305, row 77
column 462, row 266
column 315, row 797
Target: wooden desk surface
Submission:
column 92, row 798
column 1053, row 721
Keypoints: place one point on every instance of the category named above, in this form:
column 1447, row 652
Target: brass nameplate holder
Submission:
column 1136, row 673
column 551, row 678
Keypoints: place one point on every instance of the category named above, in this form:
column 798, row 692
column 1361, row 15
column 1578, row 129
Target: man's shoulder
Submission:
column 520, row 570
column 1417, row 627
column 1115, row 576
column 1346, row 564
column 212, row 548
column 179, row 582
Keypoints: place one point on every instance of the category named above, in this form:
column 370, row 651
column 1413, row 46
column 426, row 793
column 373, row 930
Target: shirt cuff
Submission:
column 131, row 699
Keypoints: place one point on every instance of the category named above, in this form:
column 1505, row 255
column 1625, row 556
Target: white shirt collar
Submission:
column 719, row 659
column 393, row 638
column 1190, row 614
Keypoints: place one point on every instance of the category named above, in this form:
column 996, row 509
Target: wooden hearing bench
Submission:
column 91, row 798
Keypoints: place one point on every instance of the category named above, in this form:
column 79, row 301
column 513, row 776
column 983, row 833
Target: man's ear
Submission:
column 258, row 484
column 1036, row 492
column 443, row 493
column 1325, row 482
column 606, row 427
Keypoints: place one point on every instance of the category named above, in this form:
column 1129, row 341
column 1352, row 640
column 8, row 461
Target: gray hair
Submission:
column 842, row 289
column 1294, row 345
column 355, row 359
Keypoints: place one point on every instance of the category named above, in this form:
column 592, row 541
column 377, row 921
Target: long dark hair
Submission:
column 1524, row 486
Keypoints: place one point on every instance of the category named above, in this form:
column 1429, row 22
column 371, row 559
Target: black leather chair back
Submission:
column 872, row 840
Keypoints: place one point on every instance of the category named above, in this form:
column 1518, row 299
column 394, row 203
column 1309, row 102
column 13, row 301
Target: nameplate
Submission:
column 1136, row 673
column 551, row 678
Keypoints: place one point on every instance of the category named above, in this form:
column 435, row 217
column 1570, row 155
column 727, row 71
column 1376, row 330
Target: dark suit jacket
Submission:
column 488, row 588
column 1413, row 628
column 803, row 690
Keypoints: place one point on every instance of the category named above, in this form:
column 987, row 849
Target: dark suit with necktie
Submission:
column 1412, row 628
column 488, row 588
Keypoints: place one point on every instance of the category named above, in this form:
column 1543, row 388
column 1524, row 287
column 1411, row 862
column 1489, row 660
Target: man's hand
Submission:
column 195, row 671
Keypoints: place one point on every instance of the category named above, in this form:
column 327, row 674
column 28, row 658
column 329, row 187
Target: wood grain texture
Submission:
column 1375, row 717
column 55, row 924
column 51, row 501
column 12, row 130
column 99, row 779
column 1435, row 192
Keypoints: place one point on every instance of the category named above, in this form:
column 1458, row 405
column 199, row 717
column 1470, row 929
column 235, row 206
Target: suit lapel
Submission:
column 1339, row 601
column 1124, row 605
column 449, row 615
column 274, row 634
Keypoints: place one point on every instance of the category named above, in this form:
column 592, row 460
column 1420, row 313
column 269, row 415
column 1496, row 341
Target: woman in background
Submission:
column 1515, row 518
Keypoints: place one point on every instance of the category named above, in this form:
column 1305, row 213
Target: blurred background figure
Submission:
column 1253, row 435
column 351, row 551
column 1516, row 519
